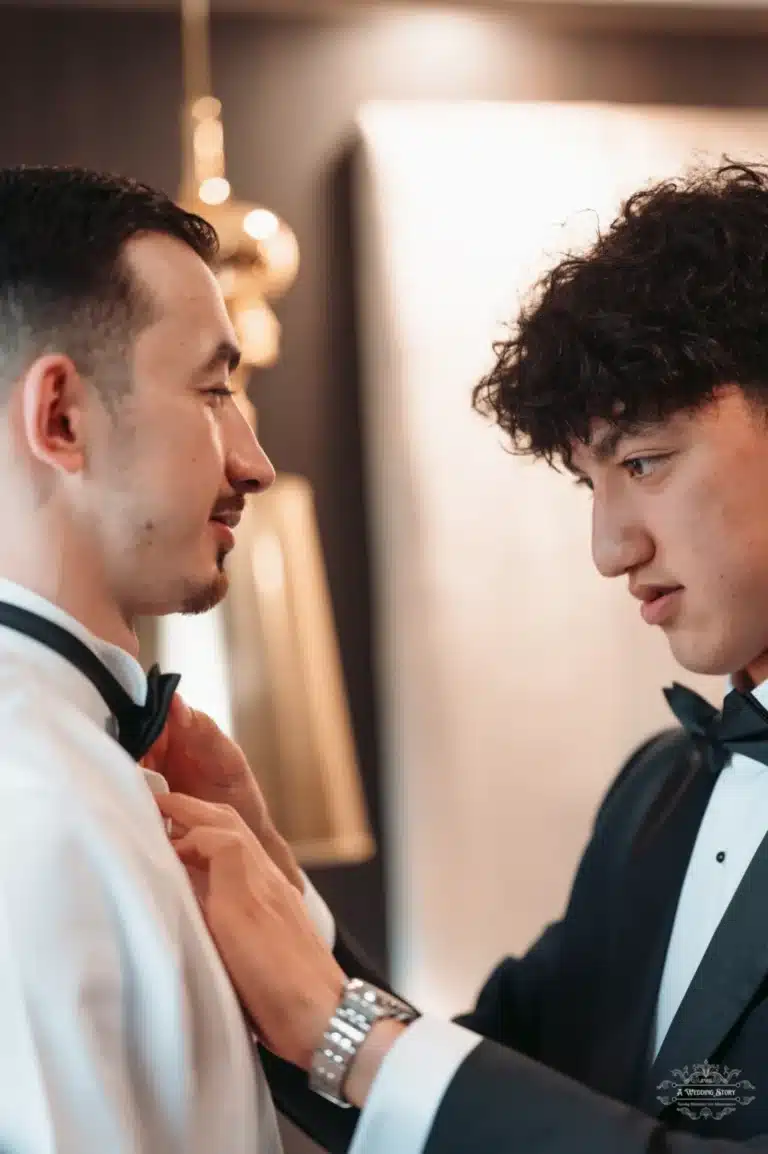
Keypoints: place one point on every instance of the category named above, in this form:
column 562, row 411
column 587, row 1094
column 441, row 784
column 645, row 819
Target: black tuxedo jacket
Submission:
column 565, row 1065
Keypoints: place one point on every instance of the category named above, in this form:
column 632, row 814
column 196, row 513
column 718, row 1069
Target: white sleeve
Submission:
column 68, row 1079
column 409, row 1087
column 318, row 911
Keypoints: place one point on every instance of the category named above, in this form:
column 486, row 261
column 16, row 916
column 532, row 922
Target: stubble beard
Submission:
column 203, row 597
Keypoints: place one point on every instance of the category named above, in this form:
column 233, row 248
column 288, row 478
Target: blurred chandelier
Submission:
column 288, row 706
column 259, row 255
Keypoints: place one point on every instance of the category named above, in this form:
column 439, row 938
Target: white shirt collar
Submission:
column 122, row 665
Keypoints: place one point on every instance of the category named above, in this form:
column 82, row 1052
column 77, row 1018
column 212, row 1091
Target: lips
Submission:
column 659, row 605
column 651, row 590
column 231, row 518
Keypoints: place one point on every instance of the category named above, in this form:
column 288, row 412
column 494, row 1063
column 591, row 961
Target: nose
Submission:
column 620, row 542
column 249, row 469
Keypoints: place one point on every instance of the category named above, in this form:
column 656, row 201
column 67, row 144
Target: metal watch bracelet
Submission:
column 361, row 1006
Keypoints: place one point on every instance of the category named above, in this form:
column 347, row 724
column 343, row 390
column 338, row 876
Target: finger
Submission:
column 198, row 847
column 179, row 719
column 209, row 842
column 191, row 811
column 230, row 859
column 180, row 712
column 188, row 854
column 156, row 753
column 179, row 716
column 208, row 852
column 231, row 868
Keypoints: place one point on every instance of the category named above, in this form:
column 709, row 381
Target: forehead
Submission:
column 189, row 312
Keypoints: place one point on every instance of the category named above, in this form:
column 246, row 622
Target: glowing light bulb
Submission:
column 259, row 332
column 214, row 190
column 261, row 224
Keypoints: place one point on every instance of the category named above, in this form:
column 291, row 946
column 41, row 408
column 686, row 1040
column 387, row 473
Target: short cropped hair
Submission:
column 64, row 283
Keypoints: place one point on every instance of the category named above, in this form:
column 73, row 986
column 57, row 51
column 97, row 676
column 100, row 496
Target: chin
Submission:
column 204, row 596
column 697, row 656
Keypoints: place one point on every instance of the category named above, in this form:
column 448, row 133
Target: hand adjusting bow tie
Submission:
column 741, row 727
column 138, row 726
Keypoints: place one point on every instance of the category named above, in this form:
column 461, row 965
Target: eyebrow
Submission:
column 226, row 353
column 603, row 448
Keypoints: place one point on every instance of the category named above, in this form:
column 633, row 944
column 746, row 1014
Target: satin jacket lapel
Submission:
column 648, row 897
column 730, row 973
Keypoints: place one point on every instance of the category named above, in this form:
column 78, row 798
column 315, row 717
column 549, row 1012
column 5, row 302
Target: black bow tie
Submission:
column 138, row 726
column 741, row 727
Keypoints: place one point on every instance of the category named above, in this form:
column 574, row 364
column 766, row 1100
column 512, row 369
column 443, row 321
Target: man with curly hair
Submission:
column 639, row 1021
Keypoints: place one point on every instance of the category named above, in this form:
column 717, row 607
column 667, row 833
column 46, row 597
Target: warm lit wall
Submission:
column 515, row 679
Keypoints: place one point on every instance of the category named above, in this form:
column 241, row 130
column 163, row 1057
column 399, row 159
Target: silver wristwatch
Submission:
column 361, row 1006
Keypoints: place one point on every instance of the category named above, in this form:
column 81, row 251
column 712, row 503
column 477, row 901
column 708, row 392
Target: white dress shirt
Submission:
column 120, row 1032
column 416, row 1073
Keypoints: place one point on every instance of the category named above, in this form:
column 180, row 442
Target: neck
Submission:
column 56, row 555
column 98, row 615
column 74, row 585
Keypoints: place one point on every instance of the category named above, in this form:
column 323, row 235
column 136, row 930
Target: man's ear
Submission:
column 55, row 412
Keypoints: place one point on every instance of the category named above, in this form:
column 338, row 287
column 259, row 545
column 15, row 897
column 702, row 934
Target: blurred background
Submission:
column 433, row 686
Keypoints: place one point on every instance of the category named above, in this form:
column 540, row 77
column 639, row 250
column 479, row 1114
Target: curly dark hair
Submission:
column 668, row 305
column 64, row 285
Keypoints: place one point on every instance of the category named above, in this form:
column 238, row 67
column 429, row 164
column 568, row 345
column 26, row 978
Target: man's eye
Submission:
column 641, row 467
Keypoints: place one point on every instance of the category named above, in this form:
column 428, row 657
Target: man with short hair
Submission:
column 639, row 1021
column 124, row 466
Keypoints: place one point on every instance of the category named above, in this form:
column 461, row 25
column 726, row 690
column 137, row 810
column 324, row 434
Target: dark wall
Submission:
column 103, row 89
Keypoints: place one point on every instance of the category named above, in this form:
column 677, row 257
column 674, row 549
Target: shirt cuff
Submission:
column 321, row 916
column 409, row 1087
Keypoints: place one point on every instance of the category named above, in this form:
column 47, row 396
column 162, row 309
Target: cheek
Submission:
column 168, row 488
column 208, row 443
column 691, row 526
column 724, row 534
column 191, row 452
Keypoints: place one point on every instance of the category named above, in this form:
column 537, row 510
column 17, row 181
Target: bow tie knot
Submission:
column 139, row 726
column 741, row 727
